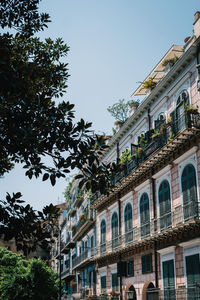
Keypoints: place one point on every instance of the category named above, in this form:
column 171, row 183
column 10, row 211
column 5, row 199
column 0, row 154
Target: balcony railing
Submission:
column 116, row 242
column 85, row 221
column 103, row 248
column 153, row 144
column 180, row 215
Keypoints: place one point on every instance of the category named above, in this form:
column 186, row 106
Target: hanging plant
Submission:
column 149, row 84
column 125, row 156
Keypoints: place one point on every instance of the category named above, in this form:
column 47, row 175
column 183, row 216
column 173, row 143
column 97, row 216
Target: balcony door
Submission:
column 128, row 220
column 189, row 192
column 144, row 216
column 169, row 280
column 193, row 276
column 115, row 230
column 165, row 205
column 103, row 237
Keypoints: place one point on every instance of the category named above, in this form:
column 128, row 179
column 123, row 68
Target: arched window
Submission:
column 103, row 236
column 178, row 116
column 165, row 205
column 115, row 230
column 189, row 191
column 144, row 215
column 103, row 231
column 128, row 217
column 128, row 221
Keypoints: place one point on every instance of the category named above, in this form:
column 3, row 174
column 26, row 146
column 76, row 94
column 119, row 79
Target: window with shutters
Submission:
column 115, row 230
column 165, row 205
column 147, row 263
column 169, row 280
column 115, row 282
column 103, row 236
column 103, row 284
column 144, row 216
column 128, row 223
column 130, row 268
column 193, row 276
column 189, row 192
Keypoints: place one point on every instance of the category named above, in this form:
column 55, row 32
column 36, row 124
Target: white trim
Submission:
column 161, row 172
column 159, row 180
column 160, row 105
column 127, row 196
column 123, row 211
column 165, row 256
column 179, row 84
column 142, row 185
column 186, row 155
column 113, row 271
column 190, row 244
column 189, row 248
column 146, row 190
column 193, row 161
column 166, row 250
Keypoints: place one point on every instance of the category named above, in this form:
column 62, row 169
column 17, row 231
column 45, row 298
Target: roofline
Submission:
column 183, row 60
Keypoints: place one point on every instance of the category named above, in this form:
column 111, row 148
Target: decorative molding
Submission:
column 167, row 250
column 162, row 172
column 190, row 244
column 142, row 185
column 128, row 196
column 186, row 155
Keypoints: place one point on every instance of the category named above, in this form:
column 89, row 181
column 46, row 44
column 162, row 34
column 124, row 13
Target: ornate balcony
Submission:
column 84, row 224
column 84, row 257
column 176, row 220
column 153, row 151
column 69, row 244
column 67, row 274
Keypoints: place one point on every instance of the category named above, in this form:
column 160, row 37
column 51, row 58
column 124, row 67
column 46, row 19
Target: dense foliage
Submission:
column 34, row 126
column 28, row 280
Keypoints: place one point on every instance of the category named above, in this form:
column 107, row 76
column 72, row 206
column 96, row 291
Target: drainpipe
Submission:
column 120, row 232
column 149, row 118
column 155, row 228
column 117, row 153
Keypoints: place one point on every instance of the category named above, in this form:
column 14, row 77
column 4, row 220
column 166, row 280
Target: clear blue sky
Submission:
column 113, row 45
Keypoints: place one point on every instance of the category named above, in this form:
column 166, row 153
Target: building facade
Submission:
column 142, row 241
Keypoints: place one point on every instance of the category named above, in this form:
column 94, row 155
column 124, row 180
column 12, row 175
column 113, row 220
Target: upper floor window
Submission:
column 103, row 237
column 144, row 215
column 103, row 231
column 165, row 205
column 114, row 225
column 128, row 217
column 189, row 192
column 128, row 221
column 115, row 231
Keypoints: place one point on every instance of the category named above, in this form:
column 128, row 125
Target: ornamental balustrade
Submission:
column 152, row 143
column 179, row 215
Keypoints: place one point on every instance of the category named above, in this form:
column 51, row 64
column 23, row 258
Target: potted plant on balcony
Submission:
column 156, row 134
column 148, row 84
column 82, row 217
column 73, row 228
column 168, row 63
column 191, row 109
column 125, row 156
column 169, row 122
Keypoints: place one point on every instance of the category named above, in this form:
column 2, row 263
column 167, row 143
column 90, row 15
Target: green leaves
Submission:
column 26, row 279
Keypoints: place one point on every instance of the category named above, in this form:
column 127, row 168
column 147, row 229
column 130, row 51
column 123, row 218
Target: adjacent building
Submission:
column 143, row 240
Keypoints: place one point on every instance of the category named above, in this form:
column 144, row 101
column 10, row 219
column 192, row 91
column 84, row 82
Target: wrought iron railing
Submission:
column 165, row 222
column 129, row 236
column 152, row 145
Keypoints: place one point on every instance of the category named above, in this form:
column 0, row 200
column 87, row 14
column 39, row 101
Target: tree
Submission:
column 32, row 124
column 28, row 280
column 120, row 110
